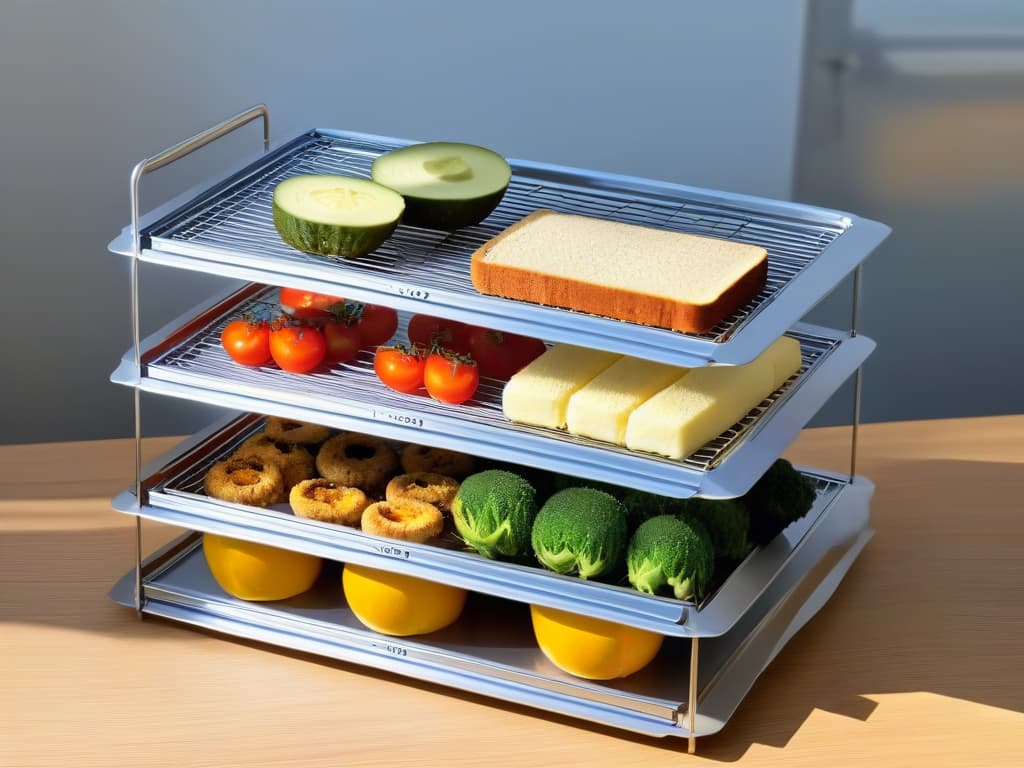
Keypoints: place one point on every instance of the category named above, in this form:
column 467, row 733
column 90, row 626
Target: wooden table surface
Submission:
column 918, row 659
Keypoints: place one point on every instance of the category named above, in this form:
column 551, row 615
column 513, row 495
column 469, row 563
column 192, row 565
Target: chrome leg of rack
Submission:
column 166, row 157
column 138, row 518
column 691, row 703
column 137, row 354
column 857, row 377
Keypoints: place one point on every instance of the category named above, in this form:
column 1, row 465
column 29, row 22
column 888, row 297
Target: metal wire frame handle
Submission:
column 168, row 156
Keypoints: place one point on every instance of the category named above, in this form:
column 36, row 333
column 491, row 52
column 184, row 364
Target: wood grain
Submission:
column 918, row 659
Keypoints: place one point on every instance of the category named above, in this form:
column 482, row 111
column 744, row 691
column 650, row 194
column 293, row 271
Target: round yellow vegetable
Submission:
column 395, row 604
column 592, row 648
column 252, row 571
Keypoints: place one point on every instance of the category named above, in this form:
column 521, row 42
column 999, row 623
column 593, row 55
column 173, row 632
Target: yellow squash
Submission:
column 252, row 571
column 395, row 604
column 592, row 648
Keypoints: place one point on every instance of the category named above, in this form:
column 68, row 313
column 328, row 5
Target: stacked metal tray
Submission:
column 225, row 229
column 187, row 360
column 228, row 230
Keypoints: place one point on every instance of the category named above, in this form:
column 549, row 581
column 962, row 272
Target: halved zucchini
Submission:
column 335, row 215
column 446, row 185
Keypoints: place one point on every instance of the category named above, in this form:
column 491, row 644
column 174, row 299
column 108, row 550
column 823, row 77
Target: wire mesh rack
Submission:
column 232, row 225
column 200, row 358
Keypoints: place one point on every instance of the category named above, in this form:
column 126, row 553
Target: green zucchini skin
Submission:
column 348, row 242
column 449, row 215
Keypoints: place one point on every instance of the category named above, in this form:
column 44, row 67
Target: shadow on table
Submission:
column 911, row 599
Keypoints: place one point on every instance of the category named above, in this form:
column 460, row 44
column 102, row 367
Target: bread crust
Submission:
column 621, row 304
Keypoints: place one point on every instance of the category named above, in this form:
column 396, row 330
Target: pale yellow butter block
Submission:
column 539, row 394
column 698, row 407
column 784, row 357
column 601, row 408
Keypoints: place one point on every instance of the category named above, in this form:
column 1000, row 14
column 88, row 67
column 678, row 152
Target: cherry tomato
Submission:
column 247, row 342
column 297, row 348
column 343, row 341
column 446, row 334
column 450, row 378
column 399, row 368
column 306, row 305
column 500, row 355
column 377, row 324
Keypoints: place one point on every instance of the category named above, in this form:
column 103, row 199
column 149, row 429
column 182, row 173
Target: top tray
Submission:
column 228, row 230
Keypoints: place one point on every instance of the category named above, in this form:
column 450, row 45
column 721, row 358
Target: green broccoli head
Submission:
column 780, row 497
column 581, row 531
column 560, row 482
column 671, row 551
column 727, row 522
column 641, row 506
column 493, row 513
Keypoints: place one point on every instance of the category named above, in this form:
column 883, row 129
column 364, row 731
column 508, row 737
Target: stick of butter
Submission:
column 539, row 394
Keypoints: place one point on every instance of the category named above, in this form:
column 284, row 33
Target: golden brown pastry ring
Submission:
column 424, row 458
column 325, row 500
column 250, row 480
column 405, row 519
column 296, row 462
column 430, row 487
column 358, row 461
column 298, row 432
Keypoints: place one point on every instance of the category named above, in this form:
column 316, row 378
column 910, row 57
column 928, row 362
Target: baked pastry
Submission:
column 359, row 461
column 405, row 519
column 296, row 462
column 322, row 499
column 629, row 272
column 250, row 480
column 292, row 431
column 430, row 487
column 424, row 458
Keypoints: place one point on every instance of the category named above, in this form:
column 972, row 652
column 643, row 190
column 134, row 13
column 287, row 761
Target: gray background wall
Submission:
column 707, row 94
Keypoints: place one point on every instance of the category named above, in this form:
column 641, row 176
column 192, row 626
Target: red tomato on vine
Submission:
column 399, row 368
column 247, row 342
column 297, row 348
column 450, row 378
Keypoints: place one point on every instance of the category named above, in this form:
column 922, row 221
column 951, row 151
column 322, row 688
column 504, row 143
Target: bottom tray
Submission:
column 491, row 650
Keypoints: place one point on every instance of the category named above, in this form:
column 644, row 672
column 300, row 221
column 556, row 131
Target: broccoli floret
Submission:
column 780, row 497
column 493, row 513
column 670, row 550
column 581, row 531
column 641, row 506
column 727, row 522
column 560, row 482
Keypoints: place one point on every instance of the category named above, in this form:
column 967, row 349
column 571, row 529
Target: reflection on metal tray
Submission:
column 176, row 496
column 490, row 650
column 190, row 362
column 229, row 231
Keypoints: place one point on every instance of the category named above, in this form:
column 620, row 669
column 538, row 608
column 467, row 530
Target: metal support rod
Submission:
column 168, row 156
column 691, row 702
column 857, row 377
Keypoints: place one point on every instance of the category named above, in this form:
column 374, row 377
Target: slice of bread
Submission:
column 600, row 409
column 701, row 405
column 625, row 271
column 539, row 394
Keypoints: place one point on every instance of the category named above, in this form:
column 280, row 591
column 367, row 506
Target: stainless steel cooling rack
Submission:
column 225, row 228
column 229, row 230
column 491, row 651
column 176, row 496
column 189, row 361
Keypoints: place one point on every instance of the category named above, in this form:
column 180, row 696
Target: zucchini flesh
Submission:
column 446, row 185
column 331, row 215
